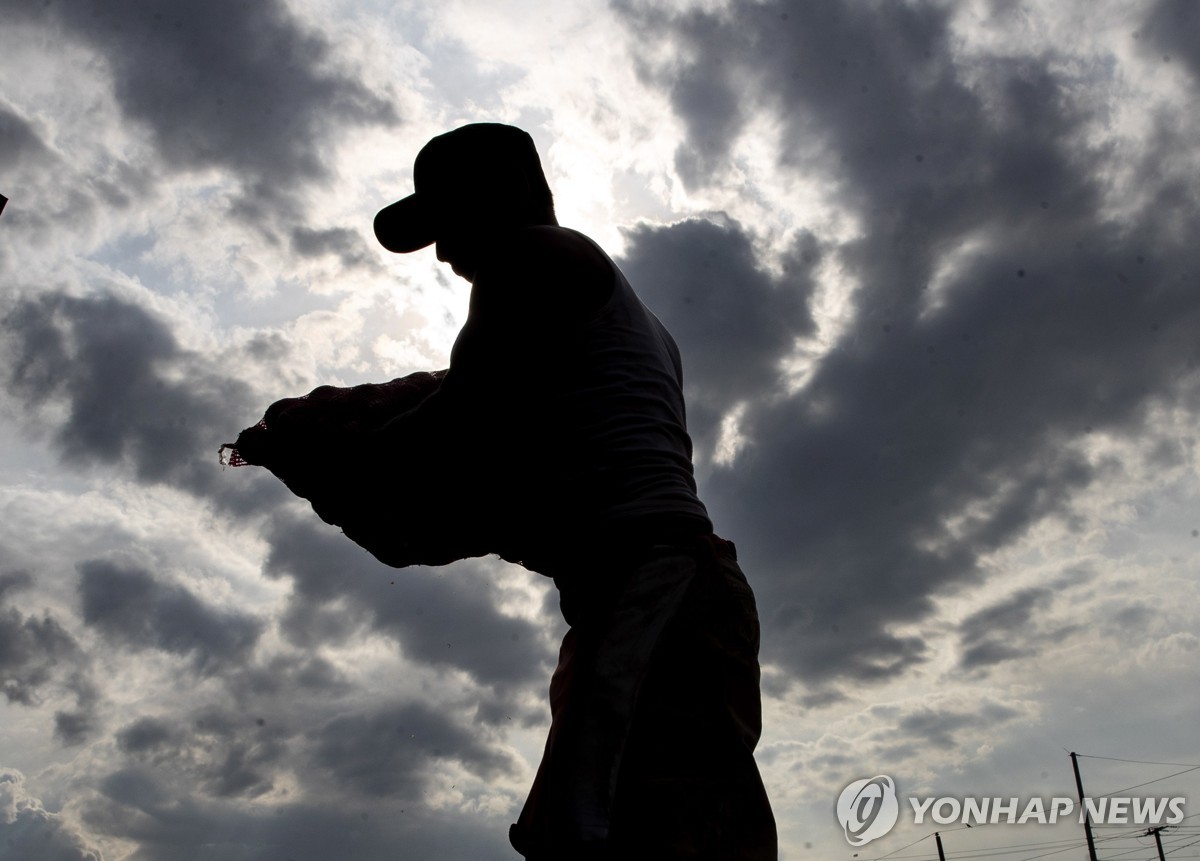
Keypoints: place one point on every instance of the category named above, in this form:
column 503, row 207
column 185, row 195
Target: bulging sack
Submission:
column 394, row 499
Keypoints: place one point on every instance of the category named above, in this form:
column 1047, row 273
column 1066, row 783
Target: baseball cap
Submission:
column 470, row 163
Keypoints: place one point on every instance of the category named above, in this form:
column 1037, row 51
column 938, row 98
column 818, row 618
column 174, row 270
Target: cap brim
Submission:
column 404, row 226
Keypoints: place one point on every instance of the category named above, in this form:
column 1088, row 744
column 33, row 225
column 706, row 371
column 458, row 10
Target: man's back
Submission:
column 584, row 385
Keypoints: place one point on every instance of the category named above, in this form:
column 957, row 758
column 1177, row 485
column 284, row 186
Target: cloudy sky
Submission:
column 932, row 267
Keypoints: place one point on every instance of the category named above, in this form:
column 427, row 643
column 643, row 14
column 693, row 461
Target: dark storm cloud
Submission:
column 240, row 86
column 345, row 244
column 76, row 726
column 14, row 581
column 221, row 754
column 32, row 650
column 39, row 656
column 703, row 278
column 129, row 606
column 710, row 104
column 1005, row 630
column 50, row 196
column 28, row 830
column 445, row 618
column 939, row 727
column 181, row 768
column 390, row 752
column 1172, row 30
column 1009, row 615
column 18, row 140
column 143, row 735
column 284, row 675
column 131, row 395
column 837, row 73
column 910, row 731
column 174, row 826
column 1001, row 316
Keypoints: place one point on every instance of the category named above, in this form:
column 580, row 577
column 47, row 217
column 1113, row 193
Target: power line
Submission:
column 1128, row 835
column 1185, row 846
column 967, row 853
column 1148, row 782
column 1078, row 845
column 1189, row 816
column 902, row 848
column 1140, row 848
column 1057, row 847
column 1014, row 848
column 1052, row 847
column 1138, row 761
column 1010, row 849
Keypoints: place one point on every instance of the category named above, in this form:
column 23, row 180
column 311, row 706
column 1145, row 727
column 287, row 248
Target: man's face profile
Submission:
column 460, row 238
column 469, row 223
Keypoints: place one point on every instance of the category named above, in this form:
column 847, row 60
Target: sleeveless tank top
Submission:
column 625, row 457
column 628, row 403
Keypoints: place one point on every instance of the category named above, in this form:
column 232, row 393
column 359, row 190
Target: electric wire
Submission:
column 1147, row 783
column 1137, row 761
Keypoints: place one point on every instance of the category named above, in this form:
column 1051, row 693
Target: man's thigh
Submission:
column 689, row 786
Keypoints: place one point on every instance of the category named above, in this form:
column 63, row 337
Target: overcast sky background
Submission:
column 934, row 272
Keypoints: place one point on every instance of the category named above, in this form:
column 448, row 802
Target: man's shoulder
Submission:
column 556, row 266
column 553, row 247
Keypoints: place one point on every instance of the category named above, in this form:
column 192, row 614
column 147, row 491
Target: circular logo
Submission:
column 867, row 809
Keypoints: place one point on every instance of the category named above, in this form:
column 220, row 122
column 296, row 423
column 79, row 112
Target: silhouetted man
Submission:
column 562, row 413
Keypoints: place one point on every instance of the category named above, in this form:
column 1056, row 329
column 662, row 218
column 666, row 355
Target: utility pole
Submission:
column 1087, row 823
column 937, row 835
column 1158, row 842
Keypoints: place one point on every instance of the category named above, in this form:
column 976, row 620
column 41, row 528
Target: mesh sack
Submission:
column 394, row 497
